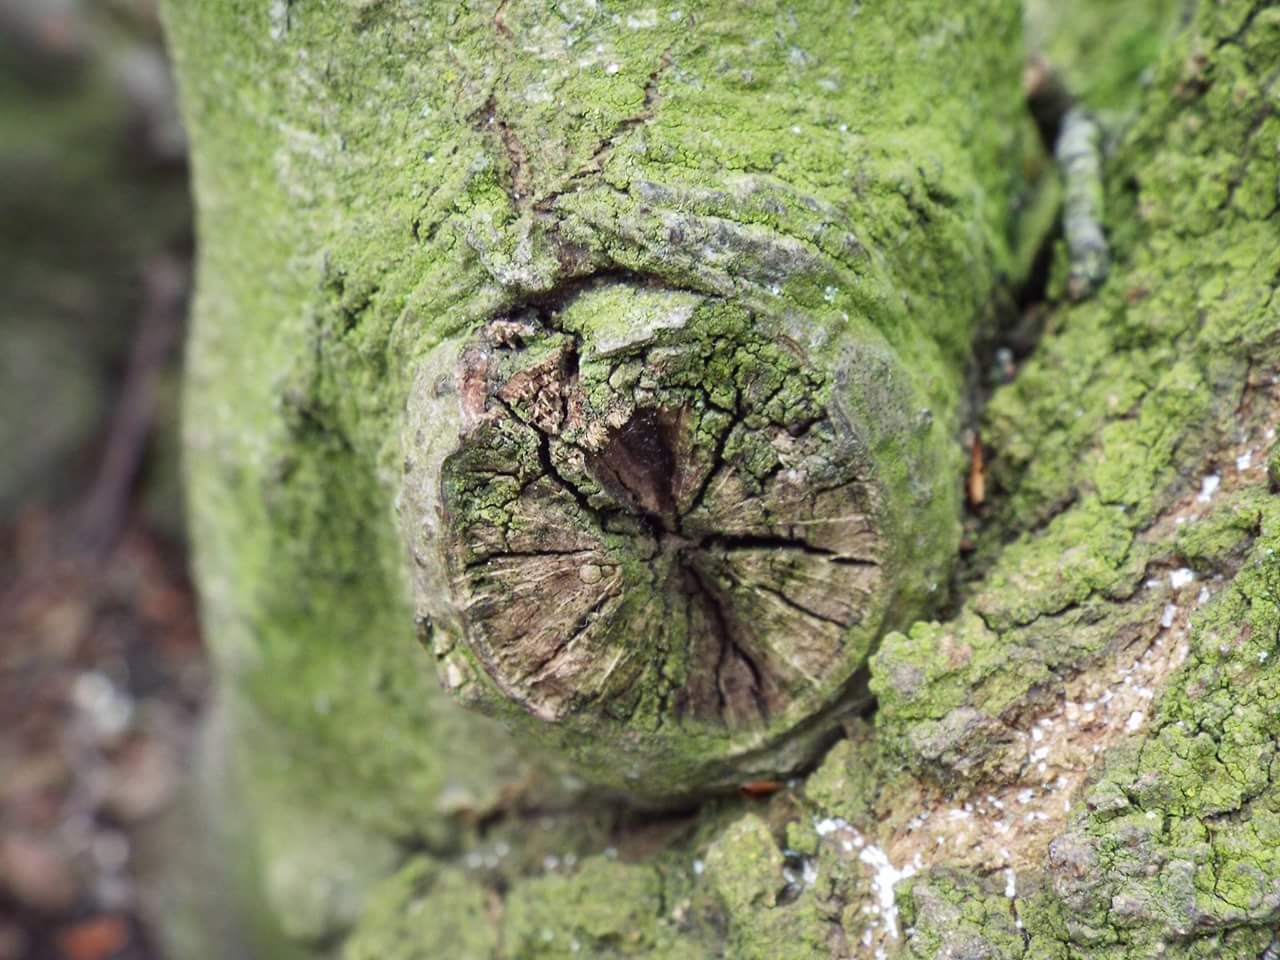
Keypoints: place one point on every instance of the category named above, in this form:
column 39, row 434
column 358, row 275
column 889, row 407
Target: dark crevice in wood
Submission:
column 729, row 543
column 729, row 645
column 522, row 555
column 795, row 605
column 637, row 465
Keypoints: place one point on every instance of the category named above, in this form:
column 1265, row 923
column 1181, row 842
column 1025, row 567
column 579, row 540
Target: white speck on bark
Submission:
column 1208, row 485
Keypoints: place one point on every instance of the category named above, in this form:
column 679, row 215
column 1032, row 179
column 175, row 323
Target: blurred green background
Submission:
column 101, row 670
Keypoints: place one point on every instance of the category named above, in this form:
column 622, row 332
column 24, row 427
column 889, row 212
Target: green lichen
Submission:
column 845, row 783
column 1183, row 843
column 1216, row 539
column 956, row 915
column 605, row 909
column 744, row 869
column 422, row 910
column 1172, row 851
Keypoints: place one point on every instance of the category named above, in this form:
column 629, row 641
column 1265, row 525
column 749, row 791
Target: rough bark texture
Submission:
column 457, row 300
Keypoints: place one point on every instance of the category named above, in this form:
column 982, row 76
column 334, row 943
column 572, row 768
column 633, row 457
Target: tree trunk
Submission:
column 624, row 354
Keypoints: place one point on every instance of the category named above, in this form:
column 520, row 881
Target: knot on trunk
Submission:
column 644, row 526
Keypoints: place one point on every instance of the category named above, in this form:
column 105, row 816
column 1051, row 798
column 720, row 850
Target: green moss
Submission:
column 1212, row 541
column 1199, row 795
column 422, row 910
column 1136, row 387
column 744, row 869
column 605, row 909
column 953, row 914
column 844, row 782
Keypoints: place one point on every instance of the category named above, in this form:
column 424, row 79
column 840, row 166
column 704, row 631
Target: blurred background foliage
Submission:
column 92, row 194
column 101, row 670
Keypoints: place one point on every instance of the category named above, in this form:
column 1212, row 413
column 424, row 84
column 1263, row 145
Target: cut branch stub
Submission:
column 645, row 526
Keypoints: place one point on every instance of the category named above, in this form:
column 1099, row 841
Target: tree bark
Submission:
column 624, row 354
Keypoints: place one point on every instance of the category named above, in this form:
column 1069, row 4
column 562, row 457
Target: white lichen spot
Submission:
column 1181, row 577
column 453, row 676
column 1244, row 461
column 611, row 68
column 885, row 879
column 278, row 19
column 1208, row 485
column 809, row 872
column 829, row 825
column 698, row 867
column 1010, row 883
column 1135, row 721
column 644, row 20
column 1170, row 611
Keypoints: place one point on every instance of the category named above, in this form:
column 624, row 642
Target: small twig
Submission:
column 104, row 510
column 1079, row 156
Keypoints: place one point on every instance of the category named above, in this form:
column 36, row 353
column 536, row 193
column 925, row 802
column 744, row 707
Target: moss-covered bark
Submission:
column 514, row 224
